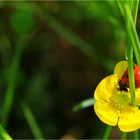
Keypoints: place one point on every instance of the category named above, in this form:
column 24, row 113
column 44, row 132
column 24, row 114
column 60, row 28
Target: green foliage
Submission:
column 3, row 134
column 31, row 121
column 11, row 79
column 22, row 22
column 52, row 54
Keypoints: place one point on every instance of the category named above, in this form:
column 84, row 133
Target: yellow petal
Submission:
column 106, row 88
column 137, row 93
column 106, row 112
column 129, row 119
column 120, row 68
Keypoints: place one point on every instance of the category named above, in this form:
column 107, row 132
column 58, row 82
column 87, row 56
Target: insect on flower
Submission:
column 124, row 81
column 113, row 101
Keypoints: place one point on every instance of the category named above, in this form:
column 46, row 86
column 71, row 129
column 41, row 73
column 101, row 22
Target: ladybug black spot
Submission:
column 123, row 86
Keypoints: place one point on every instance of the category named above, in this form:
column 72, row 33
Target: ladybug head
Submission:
column 124, row 82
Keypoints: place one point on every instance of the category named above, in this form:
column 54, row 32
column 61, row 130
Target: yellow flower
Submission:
column 113, row 105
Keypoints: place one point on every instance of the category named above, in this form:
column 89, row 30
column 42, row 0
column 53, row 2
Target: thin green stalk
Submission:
column 131, row 74
column 132, row 34
column 84, row 104
column 130, row 27
column 124, row 136
column 130, row 62
column 107, row 132
column 3, row 134
column 11, row 81
column 135, row 10
column 120, row 7
column 36, row 131
column 136, row 135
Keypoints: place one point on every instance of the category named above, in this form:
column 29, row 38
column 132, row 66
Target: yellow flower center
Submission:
column 120, row 99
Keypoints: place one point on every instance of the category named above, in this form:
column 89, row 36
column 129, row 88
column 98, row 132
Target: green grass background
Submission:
column 52, row 56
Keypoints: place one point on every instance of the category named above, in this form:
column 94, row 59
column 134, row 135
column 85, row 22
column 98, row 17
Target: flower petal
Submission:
column 106, row 112
column 106, row 88
column 137, row 93
column 129, row 119
column 120, row 68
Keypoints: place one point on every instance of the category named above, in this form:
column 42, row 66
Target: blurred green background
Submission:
column 52, row 56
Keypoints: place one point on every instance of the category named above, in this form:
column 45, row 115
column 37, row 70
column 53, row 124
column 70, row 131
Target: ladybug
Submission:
column 124, row 81
column 137, row 76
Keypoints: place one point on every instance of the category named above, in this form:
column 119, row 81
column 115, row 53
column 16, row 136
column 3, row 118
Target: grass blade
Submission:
column 135, row 10
column 31, row 121
column 84, row 104
column 131, row 32
column 133, row 36
column 3, row 134
column 11, row 81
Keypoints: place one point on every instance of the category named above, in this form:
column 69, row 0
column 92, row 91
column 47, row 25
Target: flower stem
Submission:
column 130, row 59
column 134, row 11
column 107, row 132
column 136, row 135
column 132, row 34
column 124, row 136
column 132, row 42
column 12, row 81
column 131, row 74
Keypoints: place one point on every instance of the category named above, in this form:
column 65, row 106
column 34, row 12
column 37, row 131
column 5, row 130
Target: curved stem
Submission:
column 107, row 132
column 11, row 81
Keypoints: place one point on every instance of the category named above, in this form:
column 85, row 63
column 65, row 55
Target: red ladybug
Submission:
column 137, row 76
column 124, row 81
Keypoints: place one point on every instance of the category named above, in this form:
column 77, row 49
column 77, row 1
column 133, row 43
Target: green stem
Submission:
column 132, row 34
column 3, row 134
column 36, row 131
column 84, row 104
column 131, row 74
column 130, row 62
column 132, row 41
column 135, row 10
column 120, row 7
column 107, row 132
column 124, row 136
column 136, row 135
column 11, row 81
